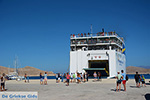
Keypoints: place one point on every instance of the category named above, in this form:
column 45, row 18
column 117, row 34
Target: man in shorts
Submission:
column 68, row 78
column 137, row 78
column 124, row 79
column 3, row 82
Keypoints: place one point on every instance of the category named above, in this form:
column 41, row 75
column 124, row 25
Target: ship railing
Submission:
column 94, row 34
column 99, row 34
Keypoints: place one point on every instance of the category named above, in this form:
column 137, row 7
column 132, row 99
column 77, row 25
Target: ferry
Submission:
column 102, row 52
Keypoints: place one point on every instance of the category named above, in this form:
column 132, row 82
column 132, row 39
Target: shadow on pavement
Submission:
column 115, row 90
column 147, row 96
column 134, row 87
column 147, row 83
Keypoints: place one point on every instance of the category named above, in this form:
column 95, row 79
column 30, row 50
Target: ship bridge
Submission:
column 96, row 53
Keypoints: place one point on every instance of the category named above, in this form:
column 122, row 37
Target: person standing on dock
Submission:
column 62, row 77
column 45, row 78
column 78, row 78
column 143, row 80
column 124, row 79
column 41, row 79
column 99, row 76
column 87, row 76
column 137, row 78
column 119, row 77
column 74, row 77
column 25, row 77
column 84, row 80
column 71, row 77
column 3, row 82
column 68, row 78
column 95, row 76
column 58, row 77
column 81, row 77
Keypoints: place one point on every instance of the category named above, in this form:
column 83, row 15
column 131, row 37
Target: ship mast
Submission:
column 16, row 64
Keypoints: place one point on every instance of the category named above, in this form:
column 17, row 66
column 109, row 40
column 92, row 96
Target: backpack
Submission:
column 127, row 78
column 1, row 79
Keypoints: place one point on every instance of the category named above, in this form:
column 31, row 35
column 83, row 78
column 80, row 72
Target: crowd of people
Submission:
column 97, row 34
column 76, row 77
column 122, row 78
column 91, row 34
column 95, row 40
column 73, row 77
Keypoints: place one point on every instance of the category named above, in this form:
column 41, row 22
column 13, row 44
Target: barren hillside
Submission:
column 132, row 70
column 28, row 70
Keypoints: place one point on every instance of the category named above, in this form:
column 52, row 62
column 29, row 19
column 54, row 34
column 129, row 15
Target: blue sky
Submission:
column 38, row 31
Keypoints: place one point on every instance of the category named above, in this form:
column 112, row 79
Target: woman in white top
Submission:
column 45, row 78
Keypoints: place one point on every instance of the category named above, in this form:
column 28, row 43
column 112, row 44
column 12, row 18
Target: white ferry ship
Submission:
column 101, row 52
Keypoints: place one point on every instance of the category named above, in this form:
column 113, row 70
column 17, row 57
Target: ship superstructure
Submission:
column 101, row 52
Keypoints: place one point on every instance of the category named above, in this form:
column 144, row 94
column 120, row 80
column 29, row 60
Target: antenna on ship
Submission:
column 102, row 29
column 91, row 29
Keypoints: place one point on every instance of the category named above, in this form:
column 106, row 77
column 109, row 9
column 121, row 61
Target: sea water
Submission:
column 131, row 76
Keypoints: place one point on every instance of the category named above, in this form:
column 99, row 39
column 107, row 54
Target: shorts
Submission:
column 2, row 84
column 41, row 79
column 124, row 82
column 143, row 82
column 56, row 78
column 45, row 79
column 119, row 82
column 137, row 81
column 67, row 80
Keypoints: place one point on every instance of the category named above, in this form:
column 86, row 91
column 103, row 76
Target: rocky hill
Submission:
column 35, row 72
column 132, row 70
column 5, row 70
column 31, row 71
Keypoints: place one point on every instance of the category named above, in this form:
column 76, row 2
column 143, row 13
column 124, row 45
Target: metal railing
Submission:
column 99, row 34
